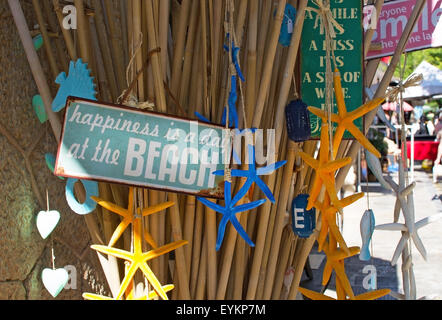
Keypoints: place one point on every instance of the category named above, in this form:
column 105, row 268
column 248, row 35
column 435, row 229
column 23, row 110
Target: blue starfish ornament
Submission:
column 252, row 174
column 229, row 211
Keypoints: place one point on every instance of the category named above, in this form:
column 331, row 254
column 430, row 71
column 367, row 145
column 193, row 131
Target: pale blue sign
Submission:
column 125, row 145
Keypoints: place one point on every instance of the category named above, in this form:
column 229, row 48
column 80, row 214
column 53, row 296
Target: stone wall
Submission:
column 23, row 253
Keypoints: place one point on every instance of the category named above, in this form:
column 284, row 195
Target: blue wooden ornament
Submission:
column 39, row 108
column 298, row 121
column 78, row 83
column 367, row 228
column 287, row 26
column 89, row 205
column 38, row 41
column 303, row 221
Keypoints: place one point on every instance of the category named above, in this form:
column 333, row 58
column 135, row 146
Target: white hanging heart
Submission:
column 54, row 280
column 47, row 221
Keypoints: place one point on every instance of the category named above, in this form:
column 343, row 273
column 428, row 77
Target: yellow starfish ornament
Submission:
column 128, row 217
column 328, row 219
column 150, row 296
column 138, row 259
column 345, row 119
column 325, row 171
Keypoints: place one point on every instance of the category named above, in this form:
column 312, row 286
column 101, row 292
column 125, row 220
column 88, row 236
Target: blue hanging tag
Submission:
column 303, row 221
column 287, row 25
column 298, row 121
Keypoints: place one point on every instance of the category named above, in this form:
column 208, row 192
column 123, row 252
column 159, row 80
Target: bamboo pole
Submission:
column 82, row 31
column 105, row 49
column 211, row 253
column 202, row 273
column 188, row 229
column 279, row 223
column 179, row 47
column 46, row 40
column 252, row 35
column 58, row 41
column 190, row 51
column 197, row 247
column 181, row 271
column 253, row 281
column 216, row 21
column 284, row 258
column 163, row 29
column 117, row 56
column 66, row 33
column 203, row 13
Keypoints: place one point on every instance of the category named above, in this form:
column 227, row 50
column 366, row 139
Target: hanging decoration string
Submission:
column 327, row 24
column 126, row 97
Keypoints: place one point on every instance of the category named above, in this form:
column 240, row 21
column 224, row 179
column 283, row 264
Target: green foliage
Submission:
column 431, row 55
column 377, row 140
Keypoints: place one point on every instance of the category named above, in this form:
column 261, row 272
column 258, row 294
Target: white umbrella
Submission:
column 431, row 84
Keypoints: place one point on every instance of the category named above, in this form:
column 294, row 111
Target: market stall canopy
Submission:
column 392, row 106
column 431, row 84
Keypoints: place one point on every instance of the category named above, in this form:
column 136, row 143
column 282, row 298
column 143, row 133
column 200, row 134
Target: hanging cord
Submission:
column 126, row 97
column 232, row 66
column 327, row 25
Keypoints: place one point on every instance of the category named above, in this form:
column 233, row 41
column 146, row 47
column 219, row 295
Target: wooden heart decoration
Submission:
column 47, row 221
column 54, row 280
column 39, row 108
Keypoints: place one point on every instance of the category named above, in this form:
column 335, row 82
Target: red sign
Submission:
column 392, row 21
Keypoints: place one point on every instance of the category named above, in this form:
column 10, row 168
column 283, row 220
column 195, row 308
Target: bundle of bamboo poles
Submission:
column 170, row 53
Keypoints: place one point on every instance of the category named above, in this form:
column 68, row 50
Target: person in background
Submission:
column 438, row 125
column 429, row 123
column 439, row 148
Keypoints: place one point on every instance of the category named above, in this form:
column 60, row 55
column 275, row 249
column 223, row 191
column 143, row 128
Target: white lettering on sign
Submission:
column 299, row 218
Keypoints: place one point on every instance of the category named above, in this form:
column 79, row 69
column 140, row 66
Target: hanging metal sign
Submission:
column 348, row 50
column 118, row 144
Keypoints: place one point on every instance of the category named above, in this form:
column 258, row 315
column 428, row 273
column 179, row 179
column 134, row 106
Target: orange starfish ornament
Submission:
column 335, row 261
column 328, row 219
column 345, row 119
column 128, row 217
column 138, row 259
column 325, row 171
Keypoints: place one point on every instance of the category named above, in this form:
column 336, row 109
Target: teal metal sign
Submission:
column 348, row 50
column 124, row 145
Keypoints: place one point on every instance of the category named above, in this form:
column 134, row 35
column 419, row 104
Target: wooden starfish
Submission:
column 406, row 234
column 138, row 259
column 335, row 261
column 328, row 219
column 401, row 196
column 150, row 296
column 325, row 171
column 128, row 217
column 345, row 119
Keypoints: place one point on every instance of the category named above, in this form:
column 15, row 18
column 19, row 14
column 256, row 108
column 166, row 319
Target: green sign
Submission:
column 125, row 145
column 348, row 49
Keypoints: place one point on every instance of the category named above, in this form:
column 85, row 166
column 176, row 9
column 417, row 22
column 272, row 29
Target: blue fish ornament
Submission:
column 367, row 228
